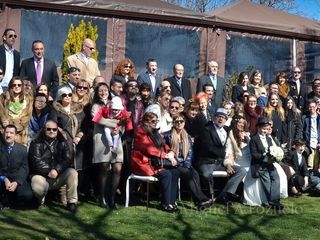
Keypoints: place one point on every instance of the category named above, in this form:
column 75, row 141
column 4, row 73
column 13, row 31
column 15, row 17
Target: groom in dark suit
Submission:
column 261, row 167
column 217, row 82
column 150, row 77
column 180, row 86
column 212, row 141
column 39, row 69
column 14, row 170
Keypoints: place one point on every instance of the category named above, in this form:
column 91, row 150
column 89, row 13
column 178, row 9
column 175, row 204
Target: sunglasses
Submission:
column 73, row 69
column 65, row 95
column 133, row 85
column 91, row 48
column 52, row 129
column 154, row 121
column 179, row 121
column 173, row 107
column 82, row 88
column 16, row 85
column 12, row 36
column 1, row 73
column 128, row 66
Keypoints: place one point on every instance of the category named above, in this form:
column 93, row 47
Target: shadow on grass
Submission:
column 33, row 224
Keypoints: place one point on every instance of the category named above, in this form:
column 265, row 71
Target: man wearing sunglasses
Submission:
column 88, row 66
column 298, row 88
column 39, row 69
column 9, row 57
column 50, row 165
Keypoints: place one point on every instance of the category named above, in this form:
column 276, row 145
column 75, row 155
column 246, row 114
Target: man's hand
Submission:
column 12, row 187
column 229, row 169
column 53, row 174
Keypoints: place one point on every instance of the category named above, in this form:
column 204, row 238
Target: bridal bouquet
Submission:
column 275, row 154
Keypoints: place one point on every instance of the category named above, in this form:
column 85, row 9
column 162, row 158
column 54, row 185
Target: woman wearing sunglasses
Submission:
column 124, row 71
column 181, row 144
column 149, row 144
column 16, row 109
column 69, row 117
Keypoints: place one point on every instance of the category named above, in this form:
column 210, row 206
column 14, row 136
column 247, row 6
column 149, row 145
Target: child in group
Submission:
column 298, row 174
column 114, row 110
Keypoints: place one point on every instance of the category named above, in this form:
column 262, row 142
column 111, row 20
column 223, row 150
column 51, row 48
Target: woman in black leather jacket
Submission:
column 180, row 143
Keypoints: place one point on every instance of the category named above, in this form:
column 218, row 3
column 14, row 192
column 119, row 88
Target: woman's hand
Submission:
column 173, row 162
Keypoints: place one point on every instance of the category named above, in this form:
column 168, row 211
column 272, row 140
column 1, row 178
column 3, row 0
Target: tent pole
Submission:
column 294, row 52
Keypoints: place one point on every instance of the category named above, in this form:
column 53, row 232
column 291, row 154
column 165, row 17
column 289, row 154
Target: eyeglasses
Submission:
column 12, row 36
column 132, row 85
column 66, row 95
column 16, row 85
column 154, row 121
column 52, row 129
column 1, row 73
column 91, row 48
column 173, row 107
column 82, row 87
column 179, row 121
column 73, row 69
column 128, row 66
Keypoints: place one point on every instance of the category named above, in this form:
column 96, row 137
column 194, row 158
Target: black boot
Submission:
column 102, row 202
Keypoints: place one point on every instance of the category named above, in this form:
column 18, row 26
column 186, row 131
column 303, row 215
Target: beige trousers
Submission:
column 41, row 185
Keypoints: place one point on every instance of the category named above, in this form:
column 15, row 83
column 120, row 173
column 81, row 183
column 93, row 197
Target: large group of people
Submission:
column 88, row 135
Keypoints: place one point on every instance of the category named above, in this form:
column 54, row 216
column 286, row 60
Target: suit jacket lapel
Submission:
column 215, row 136
column 174, row 81
column 79, row 56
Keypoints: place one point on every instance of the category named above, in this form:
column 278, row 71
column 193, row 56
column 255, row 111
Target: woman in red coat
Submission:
column 148, row 143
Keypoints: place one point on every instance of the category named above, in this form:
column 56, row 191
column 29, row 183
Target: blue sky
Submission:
column 309, row 8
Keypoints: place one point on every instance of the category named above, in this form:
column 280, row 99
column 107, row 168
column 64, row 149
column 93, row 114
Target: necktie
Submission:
column 9, row 149
column 214, row 81
column 179, row 82
column 39, row 73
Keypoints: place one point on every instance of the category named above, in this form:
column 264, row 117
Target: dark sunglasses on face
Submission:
column 52, row 129
column 17, row 85
column 91, row 48
column 154, row 121
column 12, row 36
column 128, row 66
column 82, row 87
column 1, row 73
column 65, row 95
column 179, row 121
column 73, row 69
column 173, row 107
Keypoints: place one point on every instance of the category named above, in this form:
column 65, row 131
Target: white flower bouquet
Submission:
column 275, row 154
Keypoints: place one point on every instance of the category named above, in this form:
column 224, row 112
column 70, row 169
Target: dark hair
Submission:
column 144, row 86
column 21, row 97
column 129, row 81
column 299, row 142
column 42, row 84
column 150, row 60
column 207, row 85
column 7, row 30
column 96, row 98
column 241, row 77
column 36, row 41
column 41, row 95
column 11, row 126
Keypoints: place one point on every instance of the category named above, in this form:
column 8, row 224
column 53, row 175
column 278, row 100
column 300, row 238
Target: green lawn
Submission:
column 299, row 220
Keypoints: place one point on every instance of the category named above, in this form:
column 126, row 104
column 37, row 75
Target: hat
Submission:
column 63, row 90
column 263, row 121
column 221, row 111
column 116, row 103
column 73, row 69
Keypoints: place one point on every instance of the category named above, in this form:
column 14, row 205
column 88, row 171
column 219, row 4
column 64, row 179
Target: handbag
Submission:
column 158, row 162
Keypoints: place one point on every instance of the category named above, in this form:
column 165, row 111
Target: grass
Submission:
column 299, row 220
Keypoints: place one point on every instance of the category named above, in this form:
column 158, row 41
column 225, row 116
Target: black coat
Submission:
column 16, row 60
column 49, row 75
column 14, row 165
column 258, row 150
column 185, row 87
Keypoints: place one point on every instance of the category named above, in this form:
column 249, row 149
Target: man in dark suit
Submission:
column 14, row 188
column 12, row 67
column 150, row 76
column 209, row 90
column 261, row 166
column 180, row 86
column 298, row 88
column 218, row 83
column 212, row 142
column 39, row 69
